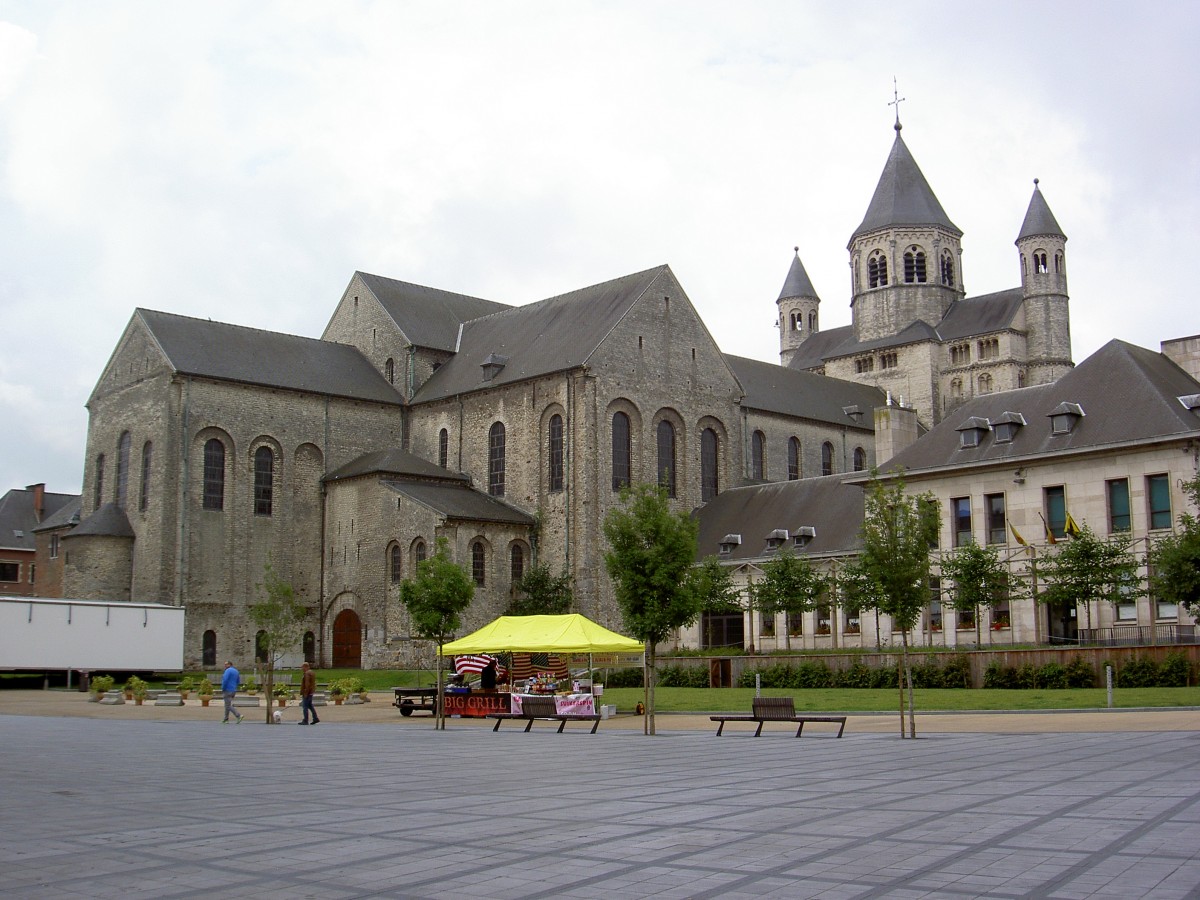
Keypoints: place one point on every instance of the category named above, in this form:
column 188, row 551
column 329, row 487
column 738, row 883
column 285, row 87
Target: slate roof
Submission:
column 903, row 196
column 965, row 318
column 773, row 388
column 428, row 317
column 394, row 461
column 832, row 506
column 68, row 514
column 459, row 501
column 797, row 283
column 553, row 335
column 108, row 521
column 252, row 356
column 1129, row 395
column 980, row 315
column 1038, row 218
column 18, row 521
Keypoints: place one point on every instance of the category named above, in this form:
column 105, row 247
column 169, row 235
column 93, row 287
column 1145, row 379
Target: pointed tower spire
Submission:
column 1038, row 218
column 1042, row 247
column 903, row 197
column 799, row 310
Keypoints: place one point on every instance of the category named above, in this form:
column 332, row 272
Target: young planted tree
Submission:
column 280, row 623
column 651, row 559
column 980, row 580
column 436, row 597
column 1087, row 568
column 892, row 571
column 1175, row 559
column 789, row 584
column 539, row 592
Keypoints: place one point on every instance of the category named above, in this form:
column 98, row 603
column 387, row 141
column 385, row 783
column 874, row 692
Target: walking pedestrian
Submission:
column 229, row 685
column 308, row 686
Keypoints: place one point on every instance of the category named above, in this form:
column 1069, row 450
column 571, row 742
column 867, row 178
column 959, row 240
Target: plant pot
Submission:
column 337, row 701
column 204, row 701
column 183, row 695
column 282, row 701
column 129, row 695
column 138, row 700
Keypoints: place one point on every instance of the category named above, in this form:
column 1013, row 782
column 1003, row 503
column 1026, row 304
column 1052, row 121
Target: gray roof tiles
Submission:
column 108, row 521
column 981, row 315
column 428, row 317
column 1128, row 395
column 1038, row 218
column 18, row 520
column 459, row 501
column 832, row 507
column 224, row 352
column 903, row 196
column 394, row 461
column 797, row 283
column 553, row 335
column 773, row 388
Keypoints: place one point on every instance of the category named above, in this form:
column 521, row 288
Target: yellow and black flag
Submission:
column 1017, row 535
column 1050, row 538
column 1071, row 528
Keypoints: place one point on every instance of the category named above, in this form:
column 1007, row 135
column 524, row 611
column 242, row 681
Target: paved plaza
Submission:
column 129, row 808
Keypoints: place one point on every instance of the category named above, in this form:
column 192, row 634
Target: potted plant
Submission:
column 186, row 685
column 283, row 693
column 204, row 690
column 131, row 688
column 338, row 692
column 140, row 689
column 355, row 686
column 249, row 686
column 101, row 685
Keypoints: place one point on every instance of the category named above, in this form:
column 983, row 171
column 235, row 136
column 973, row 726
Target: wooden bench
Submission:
column 543, row 708
column 777, row 709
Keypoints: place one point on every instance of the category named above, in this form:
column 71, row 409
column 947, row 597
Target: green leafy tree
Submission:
column 435, row 598
column 651, row 560
column 1175, row 559
column 892, row 572
column 789, row 584
column 280, row 623
column 1086, row 568
column 539, row 592
column 715, row 586
column 980, row 580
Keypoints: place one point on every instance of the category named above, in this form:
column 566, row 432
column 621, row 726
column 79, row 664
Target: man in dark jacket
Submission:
column 308, row 685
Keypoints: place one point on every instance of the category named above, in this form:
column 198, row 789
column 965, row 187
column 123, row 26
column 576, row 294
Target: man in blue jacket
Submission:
column 229, row 685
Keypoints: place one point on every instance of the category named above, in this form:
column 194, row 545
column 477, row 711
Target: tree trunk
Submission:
column 912, row 719
column 650, row 679
column 439, row 713
column 270, row 683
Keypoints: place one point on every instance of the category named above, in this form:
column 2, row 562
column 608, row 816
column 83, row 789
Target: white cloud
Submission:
column 240, row 162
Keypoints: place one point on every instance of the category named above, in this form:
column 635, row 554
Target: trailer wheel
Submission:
column 406, row 708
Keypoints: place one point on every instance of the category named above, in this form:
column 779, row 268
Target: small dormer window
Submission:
column 729, row 543
column 492, row 365
column 776, row 539
column 1190, row 401
column 971, row 432
column 1006, row 427
column 1064, row 418
column 804, row 536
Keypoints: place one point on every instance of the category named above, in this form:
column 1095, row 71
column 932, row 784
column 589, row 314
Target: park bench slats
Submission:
column 776, row 709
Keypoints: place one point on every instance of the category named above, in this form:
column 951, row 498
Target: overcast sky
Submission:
column 239, row 161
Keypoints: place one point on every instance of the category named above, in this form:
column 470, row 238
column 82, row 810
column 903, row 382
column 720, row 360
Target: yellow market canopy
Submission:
column 544, row 634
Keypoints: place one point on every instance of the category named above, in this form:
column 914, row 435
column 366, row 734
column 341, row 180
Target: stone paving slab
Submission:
column 128, row 807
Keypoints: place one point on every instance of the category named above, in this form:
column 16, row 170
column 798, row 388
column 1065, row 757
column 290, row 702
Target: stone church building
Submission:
column 915, row 333
column 421, row 415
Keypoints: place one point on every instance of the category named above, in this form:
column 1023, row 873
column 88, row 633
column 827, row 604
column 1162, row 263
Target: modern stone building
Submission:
column 1108, row 444
column 915, row 333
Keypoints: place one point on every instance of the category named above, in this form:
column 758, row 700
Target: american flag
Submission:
column 476, row 663
column 526, row 664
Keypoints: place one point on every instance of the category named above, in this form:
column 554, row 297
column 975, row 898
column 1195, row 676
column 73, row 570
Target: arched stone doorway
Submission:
column 347, row 640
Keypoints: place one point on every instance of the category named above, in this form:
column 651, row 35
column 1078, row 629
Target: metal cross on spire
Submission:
column 896, row 102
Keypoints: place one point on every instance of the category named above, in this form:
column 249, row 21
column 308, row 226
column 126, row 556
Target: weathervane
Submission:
column 896, row 101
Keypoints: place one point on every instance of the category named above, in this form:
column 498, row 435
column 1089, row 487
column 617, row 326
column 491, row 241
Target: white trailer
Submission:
column 45, row 635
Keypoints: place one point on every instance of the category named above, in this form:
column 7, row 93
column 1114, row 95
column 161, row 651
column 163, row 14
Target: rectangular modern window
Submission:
column 997, row 523
column 1118, row 505
column 54, row 546
column 10, row 571
column 960, row 520
column 768, row 625
column 823, row 620
column 1158, row 493
column 1056, row 510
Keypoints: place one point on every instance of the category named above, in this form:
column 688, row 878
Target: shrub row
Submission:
column 1174, row 671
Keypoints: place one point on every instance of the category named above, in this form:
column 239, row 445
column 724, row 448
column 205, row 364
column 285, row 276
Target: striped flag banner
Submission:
column 525, row 665
column 476, row 663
